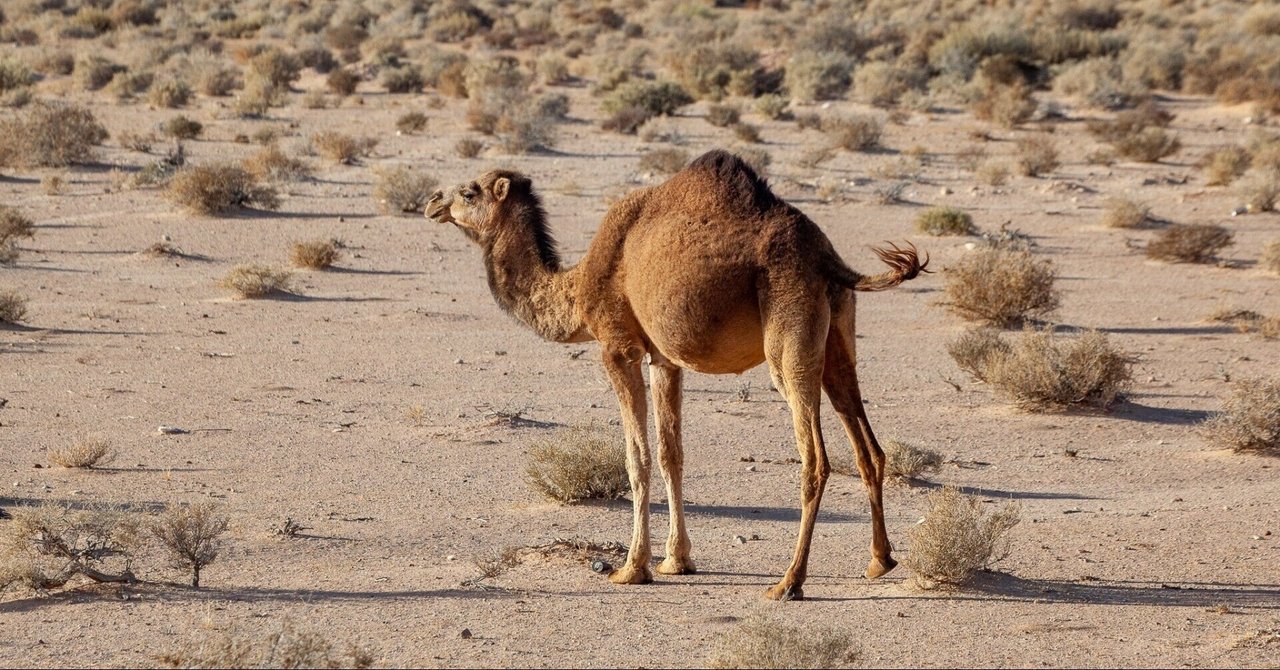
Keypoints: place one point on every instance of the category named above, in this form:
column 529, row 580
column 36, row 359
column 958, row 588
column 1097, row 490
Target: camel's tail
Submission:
column 906, row 265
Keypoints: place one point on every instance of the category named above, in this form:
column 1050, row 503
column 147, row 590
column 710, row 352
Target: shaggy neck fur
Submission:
column 525, row 275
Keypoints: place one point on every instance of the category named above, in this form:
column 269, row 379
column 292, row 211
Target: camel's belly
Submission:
column 721, row 343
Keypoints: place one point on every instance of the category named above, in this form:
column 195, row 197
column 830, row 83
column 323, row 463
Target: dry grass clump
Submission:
column 1138, row 134
column 341, row 147
column 945, row 221
column 747, row 132
column 13, row 225
column 403, row 190
column 468, row 147
column 1148, row 145
column 13, row 307
column 1260, row 190
column 1037, row 155
column 190, row 536
column 1224, row 165
column 907, row 461
column 170, row 93
column 50, row 135
column 1250, row 418
column 665, row 160
column 272, row 164
column 992, row 173
column 957, row 538
column 1271, row 257
column 1001, row 287
column 284, row 646
column 764, row 641
column 182, row 128
column 633, row 103
column 218, row 188
column 1125, row 213
column 316, row 254
column 723, row 116
column 256, row 281
column 858, row 132
column 1189, row 243
column 83, row 454
column 411, row 122
column 1007, row 105
column 342, row 82
column 45, row 546
column 578, row 463
column 1039, row 371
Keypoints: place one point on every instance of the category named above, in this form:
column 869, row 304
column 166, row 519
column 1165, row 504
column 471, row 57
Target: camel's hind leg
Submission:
column 794, row 349
column 665, row 380
column 628, row 383
column 840, row 379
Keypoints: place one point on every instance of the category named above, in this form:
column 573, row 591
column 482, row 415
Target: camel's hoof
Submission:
column 673, row 566
column 630, row 575
column 784, row 593
column 879, row 566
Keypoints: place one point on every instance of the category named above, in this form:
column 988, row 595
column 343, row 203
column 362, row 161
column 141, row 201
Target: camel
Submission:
column 710, row 272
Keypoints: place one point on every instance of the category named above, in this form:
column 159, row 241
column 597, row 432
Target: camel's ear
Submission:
column 501, row 187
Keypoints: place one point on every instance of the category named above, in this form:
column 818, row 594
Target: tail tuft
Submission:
column 906, row 265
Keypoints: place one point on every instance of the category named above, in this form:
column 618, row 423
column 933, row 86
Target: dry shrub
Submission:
column 276, row 67
column 50, row 135
column 45, row 546
column 907, row 461
column 1125, row 213
column 993, row 173
column 139, row 142
column 1128, row 123
column 403, row 190
column 665, row 160
column 468, row 147
column 13, row 307
column 190, row 536
column 1260, row 190
column 723, row 116
column 170, row 93
column 412, row 122
column 747, row 132
column 1189, row 243
column 578, row 463
column 1225, row 164
column 813, row 157
column 819, row 75
column 316, row 254
column 957, row 538
column 51, row 184
column 975, row 349
column 182, row 128
column 764, row 641
column 651, row 98
column 83, row 454
column 13, row 225
column 256, row 281
column 402, row 80
column 1001, row 287
column 1271, row 257
column 285, row 646
column 219, row 188
column 1148, row 145
column 341, row 147
column 1008, row 106
column 1250, row 418
column 773, row 106
column 342, row 82
column 858, row 132
column 271, row 164
column 1039, row 371
column 945, row 221
column 1037, row 155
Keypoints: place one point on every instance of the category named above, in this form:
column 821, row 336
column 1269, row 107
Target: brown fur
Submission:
column 710, row 272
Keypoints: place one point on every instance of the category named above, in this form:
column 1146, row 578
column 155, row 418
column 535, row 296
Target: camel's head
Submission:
column 478, row 207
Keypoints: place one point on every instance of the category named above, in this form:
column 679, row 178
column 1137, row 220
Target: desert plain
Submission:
column 366, row 433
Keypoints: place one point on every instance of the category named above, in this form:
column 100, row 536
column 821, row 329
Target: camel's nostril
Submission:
column 438, row 195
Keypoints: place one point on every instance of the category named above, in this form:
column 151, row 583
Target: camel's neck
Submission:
column 526, row 278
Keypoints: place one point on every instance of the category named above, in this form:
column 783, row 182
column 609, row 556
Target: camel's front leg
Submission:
column 628, row 383
column 665, row 380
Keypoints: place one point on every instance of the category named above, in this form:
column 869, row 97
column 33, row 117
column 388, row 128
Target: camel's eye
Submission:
column 467, row 196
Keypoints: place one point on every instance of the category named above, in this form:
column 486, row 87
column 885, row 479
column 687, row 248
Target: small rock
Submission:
column 739, row 539
column 601, row 567
column 171, row 430
column 945, row 191
column 754, row 537
column 450, row 557
column 751, row 468
column 459, row 362
column 465, row 634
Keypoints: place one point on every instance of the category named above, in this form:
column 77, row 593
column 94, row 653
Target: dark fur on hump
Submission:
column 736, row 178
column 524, row 206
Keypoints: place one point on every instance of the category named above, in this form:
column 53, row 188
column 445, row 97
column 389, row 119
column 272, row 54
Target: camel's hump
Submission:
column 733, row 177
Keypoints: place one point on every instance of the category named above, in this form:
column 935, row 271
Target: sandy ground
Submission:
column 363, row 407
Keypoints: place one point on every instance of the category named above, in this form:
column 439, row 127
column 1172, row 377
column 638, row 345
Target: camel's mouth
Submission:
column 437, row 208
